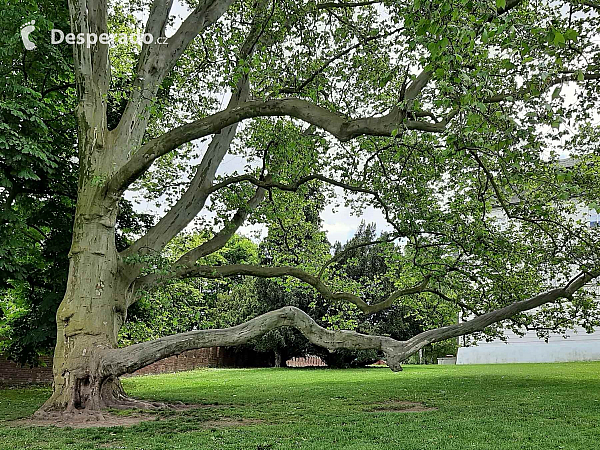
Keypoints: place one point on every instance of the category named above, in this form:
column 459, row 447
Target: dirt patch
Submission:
column 107, row 419
column 402, row 407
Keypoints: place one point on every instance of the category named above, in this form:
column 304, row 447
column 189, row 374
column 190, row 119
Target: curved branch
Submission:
column 129, row 359
column 335, row 123
column 216, row 272
column 292, row 187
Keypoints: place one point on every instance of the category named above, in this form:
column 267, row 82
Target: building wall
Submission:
column 12, row 373
column 538, row 352
column 578, row 346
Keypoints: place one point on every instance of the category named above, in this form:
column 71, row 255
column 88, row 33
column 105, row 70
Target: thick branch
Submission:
column 126, row 360
column 337, row 124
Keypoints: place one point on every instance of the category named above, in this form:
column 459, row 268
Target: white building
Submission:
column 578, row 346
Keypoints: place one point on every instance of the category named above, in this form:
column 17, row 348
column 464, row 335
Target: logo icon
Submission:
column 26, row 30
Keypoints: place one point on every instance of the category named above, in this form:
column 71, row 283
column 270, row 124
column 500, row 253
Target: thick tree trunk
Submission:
column 91, row 313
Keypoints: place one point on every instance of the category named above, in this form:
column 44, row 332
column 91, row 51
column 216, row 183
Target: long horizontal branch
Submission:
column 217, row 272
column 129, row 359
column 335, row 123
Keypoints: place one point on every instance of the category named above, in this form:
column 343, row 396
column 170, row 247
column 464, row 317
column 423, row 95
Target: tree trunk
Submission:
column 91, row 313
column 277, row 358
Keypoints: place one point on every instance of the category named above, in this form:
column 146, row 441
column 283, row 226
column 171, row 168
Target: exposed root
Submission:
column 126, row 402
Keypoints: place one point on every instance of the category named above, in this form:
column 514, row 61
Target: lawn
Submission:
column 521, row 406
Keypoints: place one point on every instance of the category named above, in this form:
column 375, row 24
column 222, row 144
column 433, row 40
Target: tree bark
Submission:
column 92, row 311
column 277, row 358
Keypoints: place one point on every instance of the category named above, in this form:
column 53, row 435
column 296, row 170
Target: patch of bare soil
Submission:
column 402, row 407
column 87, row 420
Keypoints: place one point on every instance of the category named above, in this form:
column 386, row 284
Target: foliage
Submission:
column 474, row 94
column 195, row 304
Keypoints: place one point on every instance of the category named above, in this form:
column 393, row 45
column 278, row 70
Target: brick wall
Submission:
column 190, row 360
column 13, row 373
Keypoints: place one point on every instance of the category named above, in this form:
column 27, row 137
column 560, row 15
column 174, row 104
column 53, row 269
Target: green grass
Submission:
column 521, row 406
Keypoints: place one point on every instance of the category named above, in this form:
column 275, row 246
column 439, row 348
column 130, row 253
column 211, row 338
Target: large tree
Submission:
column 431, row 111
column 38, row 180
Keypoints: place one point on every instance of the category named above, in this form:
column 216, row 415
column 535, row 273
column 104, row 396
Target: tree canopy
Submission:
column 437, row 113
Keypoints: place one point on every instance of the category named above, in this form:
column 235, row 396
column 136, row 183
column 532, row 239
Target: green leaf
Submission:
column 556, row 93
column 500, row 4
column 558, row 38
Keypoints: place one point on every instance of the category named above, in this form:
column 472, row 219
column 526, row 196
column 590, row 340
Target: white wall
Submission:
column 579, row 346
column 531, row 352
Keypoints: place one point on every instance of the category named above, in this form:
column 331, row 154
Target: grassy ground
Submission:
column 524, row 406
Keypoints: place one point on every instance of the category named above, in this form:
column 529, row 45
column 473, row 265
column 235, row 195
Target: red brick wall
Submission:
column 190, row 360
column 12, row 373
